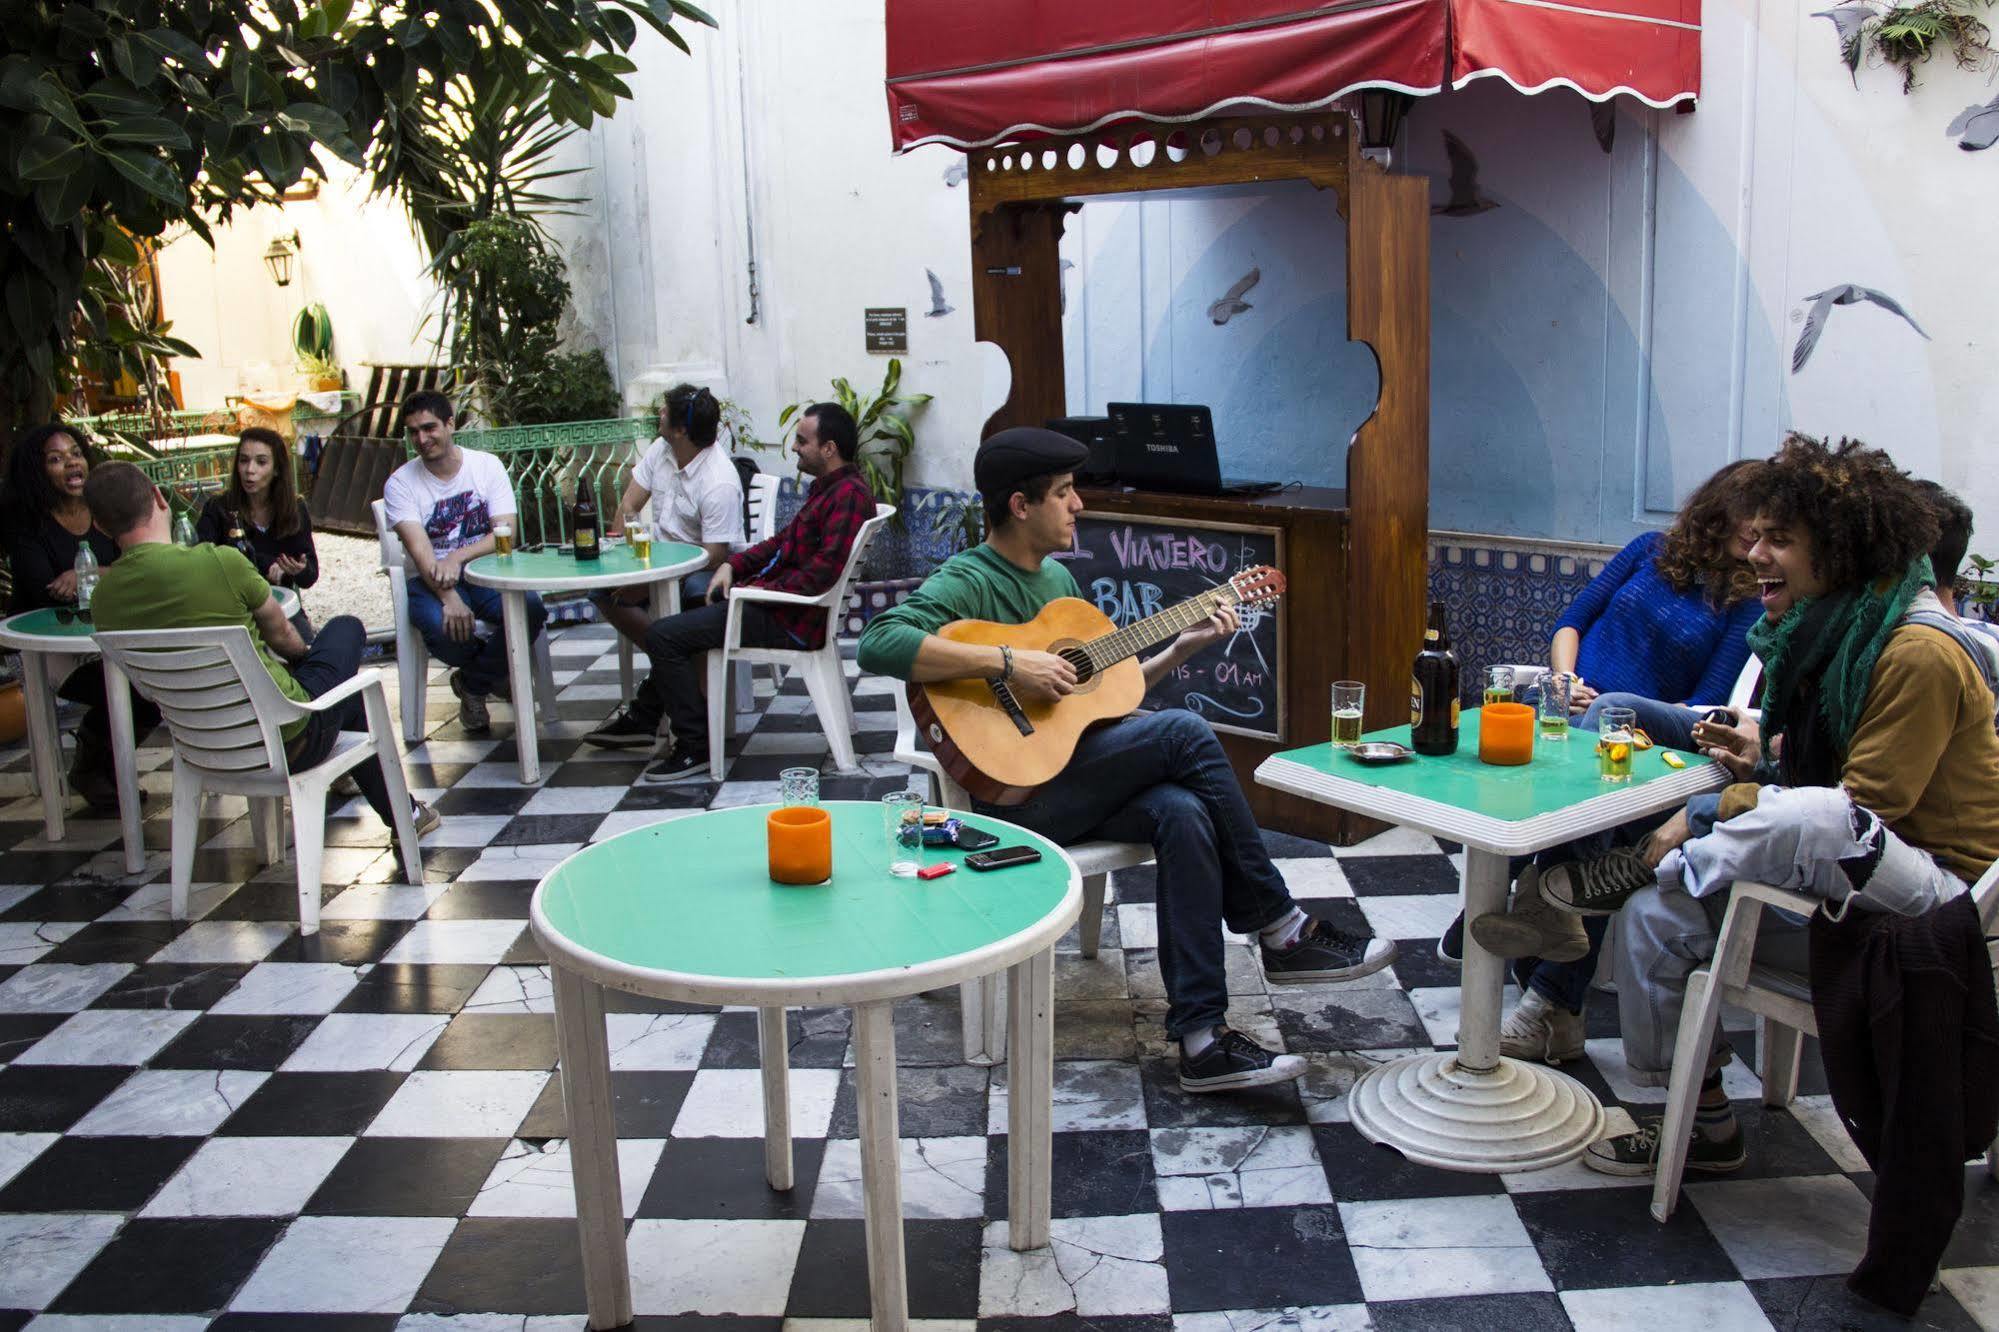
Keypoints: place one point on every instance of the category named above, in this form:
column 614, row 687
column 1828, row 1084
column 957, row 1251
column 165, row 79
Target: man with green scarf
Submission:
column 1888, row 717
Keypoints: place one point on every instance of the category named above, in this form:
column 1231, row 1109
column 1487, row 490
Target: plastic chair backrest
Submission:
column 392, row 544
column 219, row 702
column 760, row 506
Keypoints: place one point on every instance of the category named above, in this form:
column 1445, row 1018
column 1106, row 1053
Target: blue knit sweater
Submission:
column 1639, row 636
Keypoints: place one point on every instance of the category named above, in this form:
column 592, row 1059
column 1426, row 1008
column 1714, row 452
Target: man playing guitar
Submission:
column 1157, row 777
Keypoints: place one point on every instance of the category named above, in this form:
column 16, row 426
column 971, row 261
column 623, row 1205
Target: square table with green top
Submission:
column 1470, row 1108
column 558, row 570
column 686, row 910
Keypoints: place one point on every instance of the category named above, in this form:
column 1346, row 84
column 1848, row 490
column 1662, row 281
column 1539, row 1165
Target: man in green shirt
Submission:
column 1157, row 777
column 155, row 584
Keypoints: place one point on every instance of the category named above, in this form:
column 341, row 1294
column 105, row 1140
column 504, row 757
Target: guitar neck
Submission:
column 1139, row 635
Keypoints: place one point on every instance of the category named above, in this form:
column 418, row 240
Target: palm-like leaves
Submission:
column 881, row 421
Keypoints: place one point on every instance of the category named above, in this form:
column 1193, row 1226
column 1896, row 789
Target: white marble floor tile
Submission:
column 1216, row 1169
column 1438, row 1009
column 1719, row 1306
column 659, row 1041
column 348, row 1042
column 154, row 901
column 1330, row 1075
column 22, row 942
column 383, row 901
column 728, row 1103
column 1088, row 1094
column 517, row 862
column 120, row 1036
column 346, row 1264
column 18, row 1149
column 507, row 774
column 531, row 1180
column 44, row 1252
column 1315, row 1318
column 248, row 1177
column 1397, row 841
column 493, row 1322
column 465, row 830
column 297, row 988
column 1421, row 916
column 1756, row 1222
column 942, row 1178
column 713, row 1267
column 1977, row 1289
column 471, row 941
column 1094, row 1266
column 487, row 1103
column 514, row 990
column 452, row 751
column 13, row 894
column 1310, row 877
column 735, row 794
column 170, row 1103
column 628, row 820
column 1428, row 1248
column 1823, row 1123
column 118, row 1323
column 1137, row 925
column 59, row 987
column 1607, row 1054
column 785, row 742
column 225, row 941
column 575, row 800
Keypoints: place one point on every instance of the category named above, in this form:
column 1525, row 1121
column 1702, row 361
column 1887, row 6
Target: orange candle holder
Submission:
column 800, row 839
column 1505, row 734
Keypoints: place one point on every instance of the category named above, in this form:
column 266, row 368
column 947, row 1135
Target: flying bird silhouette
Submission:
column 954, row 175
column 1822, row 303
column 1062, row 276
column 1978, row 126
column 939, row 307
column 1849, row 20
column 1465, row 198
column 1232, row 303
column 1603, row 122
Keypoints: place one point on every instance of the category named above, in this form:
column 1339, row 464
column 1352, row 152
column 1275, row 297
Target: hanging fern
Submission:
column 1909, row 35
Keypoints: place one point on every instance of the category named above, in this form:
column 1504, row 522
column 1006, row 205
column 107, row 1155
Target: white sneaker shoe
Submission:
column 1541, row 1031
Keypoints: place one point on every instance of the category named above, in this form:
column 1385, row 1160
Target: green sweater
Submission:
column 979, row 584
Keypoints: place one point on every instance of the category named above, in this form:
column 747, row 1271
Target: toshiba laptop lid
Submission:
column 1171, row 446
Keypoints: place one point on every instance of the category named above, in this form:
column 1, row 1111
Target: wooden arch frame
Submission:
column 1020, row 197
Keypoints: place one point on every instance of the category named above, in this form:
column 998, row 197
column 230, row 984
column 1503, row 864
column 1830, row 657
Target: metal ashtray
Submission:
column 1380, row 751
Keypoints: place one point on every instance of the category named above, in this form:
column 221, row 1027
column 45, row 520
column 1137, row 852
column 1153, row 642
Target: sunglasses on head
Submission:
column 70, row 615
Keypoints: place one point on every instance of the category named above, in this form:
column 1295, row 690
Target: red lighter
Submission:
column 936, row 871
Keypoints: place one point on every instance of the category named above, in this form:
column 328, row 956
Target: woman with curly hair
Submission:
column 1874, row 778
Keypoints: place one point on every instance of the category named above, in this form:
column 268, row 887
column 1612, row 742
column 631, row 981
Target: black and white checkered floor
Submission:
column 219, row 1124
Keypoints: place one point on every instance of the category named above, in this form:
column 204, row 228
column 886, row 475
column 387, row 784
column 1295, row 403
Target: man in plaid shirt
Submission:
column 805, row 558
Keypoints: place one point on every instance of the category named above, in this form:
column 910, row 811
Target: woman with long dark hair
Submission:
column 259, row 513
column 47, row 522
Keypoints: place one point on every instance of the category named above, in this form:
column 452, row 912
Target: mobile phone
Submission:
column 974, row 839
column 1719, row 717
column 1001, row 858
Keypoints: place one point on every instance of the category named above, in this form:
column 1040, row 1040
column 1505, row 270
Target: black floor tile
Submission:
column 96, row 1174
column 547, row 829
column 597, row 772
column 1379, row 876
column 347, row 942
column 18, row 1031
column 1777, row 1144
column 1258, row 1258
column 59, row 901
column 190, row 1266
column 224, row 1040
column 49, row 1099
column 643, row 1105
column 1607, row 1237
column 180, row 985
column 1069, row 1322
column 231, row 864
column 724, row 1177
column 116, row 941
column 1824, row 1304
column 1166, row 1106
column 486, row 899
column 407, row 1177
column 494, row 1040
column 933, row 1102
column 274, row 1322
column 512, row 1265
column 483, row 800
column 666, row 795
column 443, row 864
column 268, row 898
column 1525, row 1312
column 306, row 1105
column 1361, row 1171
column 1107, row 1173
column 414, row 987
column 1379, row 1019
column 942, row 1258
column 1417, row 966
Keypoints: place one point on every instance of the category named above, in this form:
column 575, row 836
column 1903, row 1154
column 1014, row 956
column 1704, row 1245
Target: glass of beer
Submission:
column 1556, row 690
column 1616, row 738
column 1499, row 684
column 503, row 538
column 1349, row 699
column 640, row 536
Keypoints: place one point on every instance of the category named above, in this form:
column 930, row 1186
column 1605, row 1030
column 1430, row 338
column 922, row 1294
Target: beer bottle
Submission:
column 240, row 541
column 1433, row 691
column 583, row 523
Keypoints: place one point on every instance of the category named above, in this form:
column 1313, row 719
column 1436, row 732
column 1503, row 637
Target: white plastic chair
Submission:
column 825, row 679
column 982, row 1002
column 224, row 712
column 1782, row 1002
column 413, row 656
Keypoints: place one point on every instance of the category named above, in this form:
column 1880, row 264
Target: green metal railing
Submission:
column 546, row 464
column 189, row 477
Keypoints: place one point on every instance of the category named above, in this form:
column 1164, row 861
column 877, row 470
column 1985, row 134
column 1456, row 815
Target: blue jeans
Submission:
column 481, row 662
column 1161, row 777
column 333, row 658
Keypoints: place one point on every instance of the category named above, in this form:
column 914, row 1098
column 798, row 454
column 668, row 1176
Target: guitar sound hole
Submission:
column 1080, row 659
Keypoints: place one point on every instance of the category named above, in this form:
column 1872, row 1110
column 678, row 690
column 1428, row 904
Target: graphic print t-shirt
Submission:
column 456, row 512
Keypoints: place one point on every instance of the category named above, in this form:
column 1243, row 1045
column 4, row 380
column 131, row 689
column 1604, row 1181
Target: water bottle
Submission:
column 86, row 575
column 184, row 530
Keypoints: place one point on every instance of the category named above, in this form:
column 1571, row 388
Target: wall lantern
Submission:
column 1382, row 111
column 279, row 259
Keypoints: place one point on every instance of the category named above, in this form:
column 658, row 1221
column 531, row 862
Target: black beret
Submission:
column 1014, row 455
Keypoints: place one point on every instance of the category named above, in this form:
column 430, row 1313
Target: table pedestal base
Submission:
column 1516, row 1116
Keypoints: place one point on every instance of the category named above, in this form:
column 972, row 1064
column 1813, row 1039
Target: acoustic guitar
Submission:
column 999, row 748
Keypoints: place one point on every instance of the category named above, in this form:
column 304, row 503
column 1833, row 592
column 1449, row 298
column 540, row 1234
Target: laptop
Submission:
column 1171, row 446
column 1094, row 433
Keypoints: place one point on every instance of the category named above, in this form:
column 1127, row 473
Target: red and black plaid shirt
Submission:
column 808, row 555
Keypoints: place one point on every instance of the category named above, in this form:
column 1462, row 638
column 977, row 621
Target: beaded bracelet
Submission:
column 1006, row 663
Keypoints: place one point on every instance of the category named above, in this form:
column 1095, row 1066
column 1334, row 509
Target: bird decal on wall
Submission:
column 1465, row 198
column 1822, row 303
column 954, row 175
column 1062, row 276
column 1232, row 303
column 1978, row 126
column 939, row 307
column 1850, row 21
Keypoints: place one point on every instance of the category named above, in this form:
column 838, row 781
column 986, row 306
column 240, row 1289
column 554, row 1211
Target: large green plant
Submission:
column 886, row 436
column 143, row 115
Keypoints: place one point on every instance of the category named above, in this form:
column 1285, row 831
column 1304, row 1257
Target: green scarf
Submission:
column 1837, row 637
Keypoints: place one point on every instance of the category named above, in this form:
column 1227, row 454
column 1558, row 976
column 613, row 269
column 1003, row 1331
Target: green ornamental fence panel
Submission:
column 547, row 464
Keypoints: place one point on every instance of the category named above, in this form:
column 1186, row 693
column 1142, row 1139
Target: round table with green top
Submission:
column 54, row 641
column 558, row 570
column 685, row 910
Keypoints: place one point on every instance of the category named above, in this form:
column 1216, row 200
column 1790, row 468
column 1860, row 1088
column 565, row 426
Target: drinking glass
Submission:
column 1556, row 687
column 503, row 538
column 800, row 786
column 1499, row 684
column 640, row 536
column 1615, row 740
column 902, row 826
column 1349, row 699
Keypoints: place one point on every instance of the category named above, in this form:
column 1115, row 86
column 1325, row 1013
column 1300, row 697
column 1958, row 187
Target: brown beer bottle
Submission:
column 583, row 523
column 1433, row 690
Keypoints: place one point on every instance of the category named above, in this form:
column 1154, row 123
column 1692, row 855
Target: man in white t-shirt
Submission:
column 695, row 494
column 443, row 504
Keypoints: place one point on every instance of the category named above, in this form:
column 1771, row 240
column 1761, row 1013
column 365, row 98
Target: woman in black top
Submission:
column 46, row 521
column 259, row 513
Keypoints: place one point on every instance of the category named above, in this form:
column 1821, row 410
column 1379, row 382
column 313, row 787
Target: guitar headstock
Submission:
column 1256, row 585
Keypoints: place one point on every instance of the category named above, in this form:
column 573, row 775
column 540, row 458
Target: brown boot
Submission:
column 1530, row 927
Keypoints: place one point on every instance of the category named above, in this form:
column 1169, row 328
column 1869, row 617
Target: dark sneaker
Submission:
column 1599, row 886
column 680, row 763
column 1325, row 952
column 472, row 713
column 1637, row 1153
column 425, row 820
column 95, row 783
column 1234, row 1060
column 623, row 731
column 1531, row 927
column 1451, row 947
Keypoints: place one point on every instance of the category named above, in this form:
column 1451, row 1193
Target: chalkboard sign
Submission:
column 1134, row 567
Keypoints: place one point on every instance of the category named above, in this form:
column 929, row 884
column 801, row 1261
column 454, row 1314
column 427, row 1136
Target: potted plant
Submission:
column 886, row 436
column 312, row 343
column 322, row 372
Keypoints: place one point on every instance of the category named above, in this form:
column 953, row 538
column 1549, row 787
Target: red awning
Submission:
column 972, row 74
